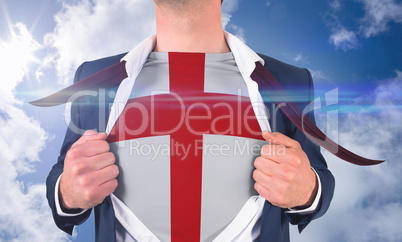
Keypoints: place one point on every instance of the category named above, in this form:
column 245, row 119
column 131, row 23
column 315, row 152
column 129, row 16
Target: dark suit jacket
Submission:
column 274, row 221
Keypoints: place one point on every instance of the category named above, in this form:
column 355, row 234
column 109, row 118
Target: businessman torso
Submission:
column 90, row 113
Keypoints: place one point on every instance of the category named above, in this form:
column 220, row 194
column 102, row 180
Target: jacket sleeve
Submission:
column 318, row 162
column 66, row 223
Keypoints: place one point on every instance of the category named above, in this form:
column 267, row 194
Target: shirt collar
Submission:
column 136, row 58
column 244, row 56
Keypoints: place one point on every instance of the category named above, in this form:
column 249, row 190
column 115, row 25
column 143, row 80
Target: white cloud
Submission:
column 268, row 3
column 340, row 37
column 335, row 5
column 87, row 30
column 225, row 19
column 317, row 74
column 228, row 7
column 378, row 15
column 298, row 57
column 368, row 203
column 343, row 39
column 399, row 74
column 238, row 32
column 25, row 215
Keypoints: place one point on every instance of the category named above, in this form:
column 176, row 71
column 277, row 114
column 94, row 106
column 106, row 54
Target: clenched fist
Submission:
column 89, row 174
column 283, row 174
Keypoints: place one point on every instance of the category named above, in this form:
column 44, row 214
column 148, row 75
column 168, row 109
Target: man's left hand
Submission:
column 283, row 174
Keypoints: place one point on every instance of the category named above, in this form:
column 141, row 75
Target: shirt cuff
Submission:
column 60, row 212
column 313, row 206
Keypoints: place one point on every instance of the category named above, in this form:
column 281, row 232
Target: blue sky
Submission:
column 351, row 47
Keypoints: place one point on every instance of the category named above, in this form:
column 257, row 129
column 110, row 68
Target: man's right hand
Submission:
column 89, row 174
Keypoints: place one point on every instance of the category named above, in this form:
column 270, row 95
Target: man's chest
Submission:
column 185, row 144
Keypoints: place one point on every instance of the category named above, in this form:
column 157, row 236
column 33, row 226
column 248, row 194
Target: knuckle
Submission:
column 296, row 161
column 83, row 182
column 72, row 154
column 289, row 176
column 89, row 195
column 76, row 169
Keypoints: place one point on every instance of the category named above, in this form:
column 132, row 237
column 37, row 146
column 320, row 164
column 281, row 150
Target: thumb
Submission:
column 90, row 135
column 277, row 138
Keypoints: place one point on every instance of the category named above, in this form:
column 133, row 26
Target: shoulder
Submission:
column 281, row 69
column 90, row 67
column 297, row 81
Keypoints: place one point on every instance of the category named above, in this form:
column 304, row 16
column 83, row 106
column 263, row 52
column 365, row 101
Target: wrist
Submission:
column 65, row 206
column 311, row 194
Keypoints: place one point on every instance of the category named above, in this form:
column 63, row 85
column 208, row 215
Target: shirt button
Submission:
column 145, row 238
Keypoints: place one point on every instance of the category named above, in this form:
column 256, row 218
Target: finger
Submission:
column 271, row 183
column 280, row 139
column 262, row 178
column 270, row 186
column 267, row 166
column 93, row 147
column 90, row 135
column 106, row 174
column 107, row 188
column 274, row 152
column 263, row 191
column 100, row 161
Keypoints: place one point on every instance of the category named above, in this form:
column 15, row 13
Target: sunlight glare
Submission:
column 15, row 55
